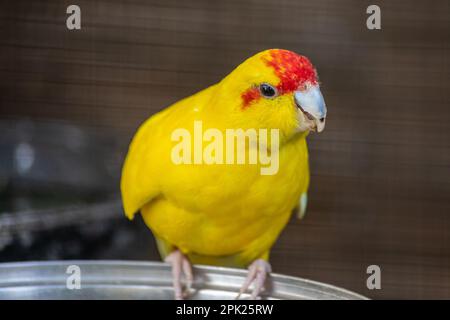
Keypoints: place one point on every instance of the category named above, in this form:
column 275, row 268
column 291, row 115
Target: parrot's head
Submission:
column 275, row 89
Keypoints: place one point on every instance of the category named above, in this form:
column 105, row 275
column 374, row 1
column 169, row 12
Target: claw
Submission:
column 257, row 274
column 180, row 265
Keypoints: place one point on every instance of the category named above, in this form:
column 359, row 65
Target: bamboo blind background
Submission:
column 380, row 171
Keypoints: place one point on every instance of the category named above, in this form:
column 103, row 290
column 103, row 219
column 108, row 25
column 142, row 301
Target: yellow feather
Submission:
column 217, row 214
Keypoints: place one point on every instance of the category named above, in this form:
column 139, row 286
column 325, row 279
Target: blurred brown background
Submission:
column 380, row 171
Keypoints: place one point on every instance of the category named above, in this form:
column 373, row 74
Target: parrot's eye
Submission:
column 267, row 90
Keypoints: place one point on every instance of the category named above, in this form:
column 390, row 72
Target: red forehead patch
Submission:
column 292, row 69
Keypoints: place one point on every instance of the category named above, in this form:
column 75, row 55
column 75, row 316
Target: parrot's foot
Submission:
column 180, row 265
column 257, row 274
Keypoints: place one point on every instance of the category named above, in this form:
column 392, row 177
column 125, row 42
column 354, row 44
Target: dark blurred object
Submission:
column 44, row 158
column 59, row 192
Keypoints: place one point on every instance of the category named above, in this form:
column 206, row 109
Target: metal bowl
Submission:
column 145, row 280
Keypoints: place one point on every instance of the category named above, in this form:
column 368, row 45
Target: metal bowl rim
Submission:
column 285, row 279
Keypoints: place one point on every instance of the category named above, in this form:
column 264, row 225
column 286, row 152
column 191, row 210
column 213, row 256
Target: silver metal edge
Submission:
column 278, row 280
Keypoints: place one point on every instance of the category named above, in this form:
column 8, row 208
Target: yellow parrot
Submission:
column 203, row 208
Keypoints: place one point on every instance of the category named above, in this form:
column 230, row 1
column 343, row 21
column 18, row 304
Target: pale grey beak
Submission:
column 311, row 102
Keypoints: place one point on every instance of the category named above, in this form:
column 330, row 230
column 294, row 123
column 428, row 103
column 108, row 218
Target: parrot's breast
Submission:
column 219, row 210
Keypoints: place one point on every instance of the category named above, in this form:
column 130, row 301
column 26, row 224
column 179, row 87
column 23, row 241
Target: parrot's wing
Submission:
column 303, row 203
column 150, row 150
column 141, row 170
